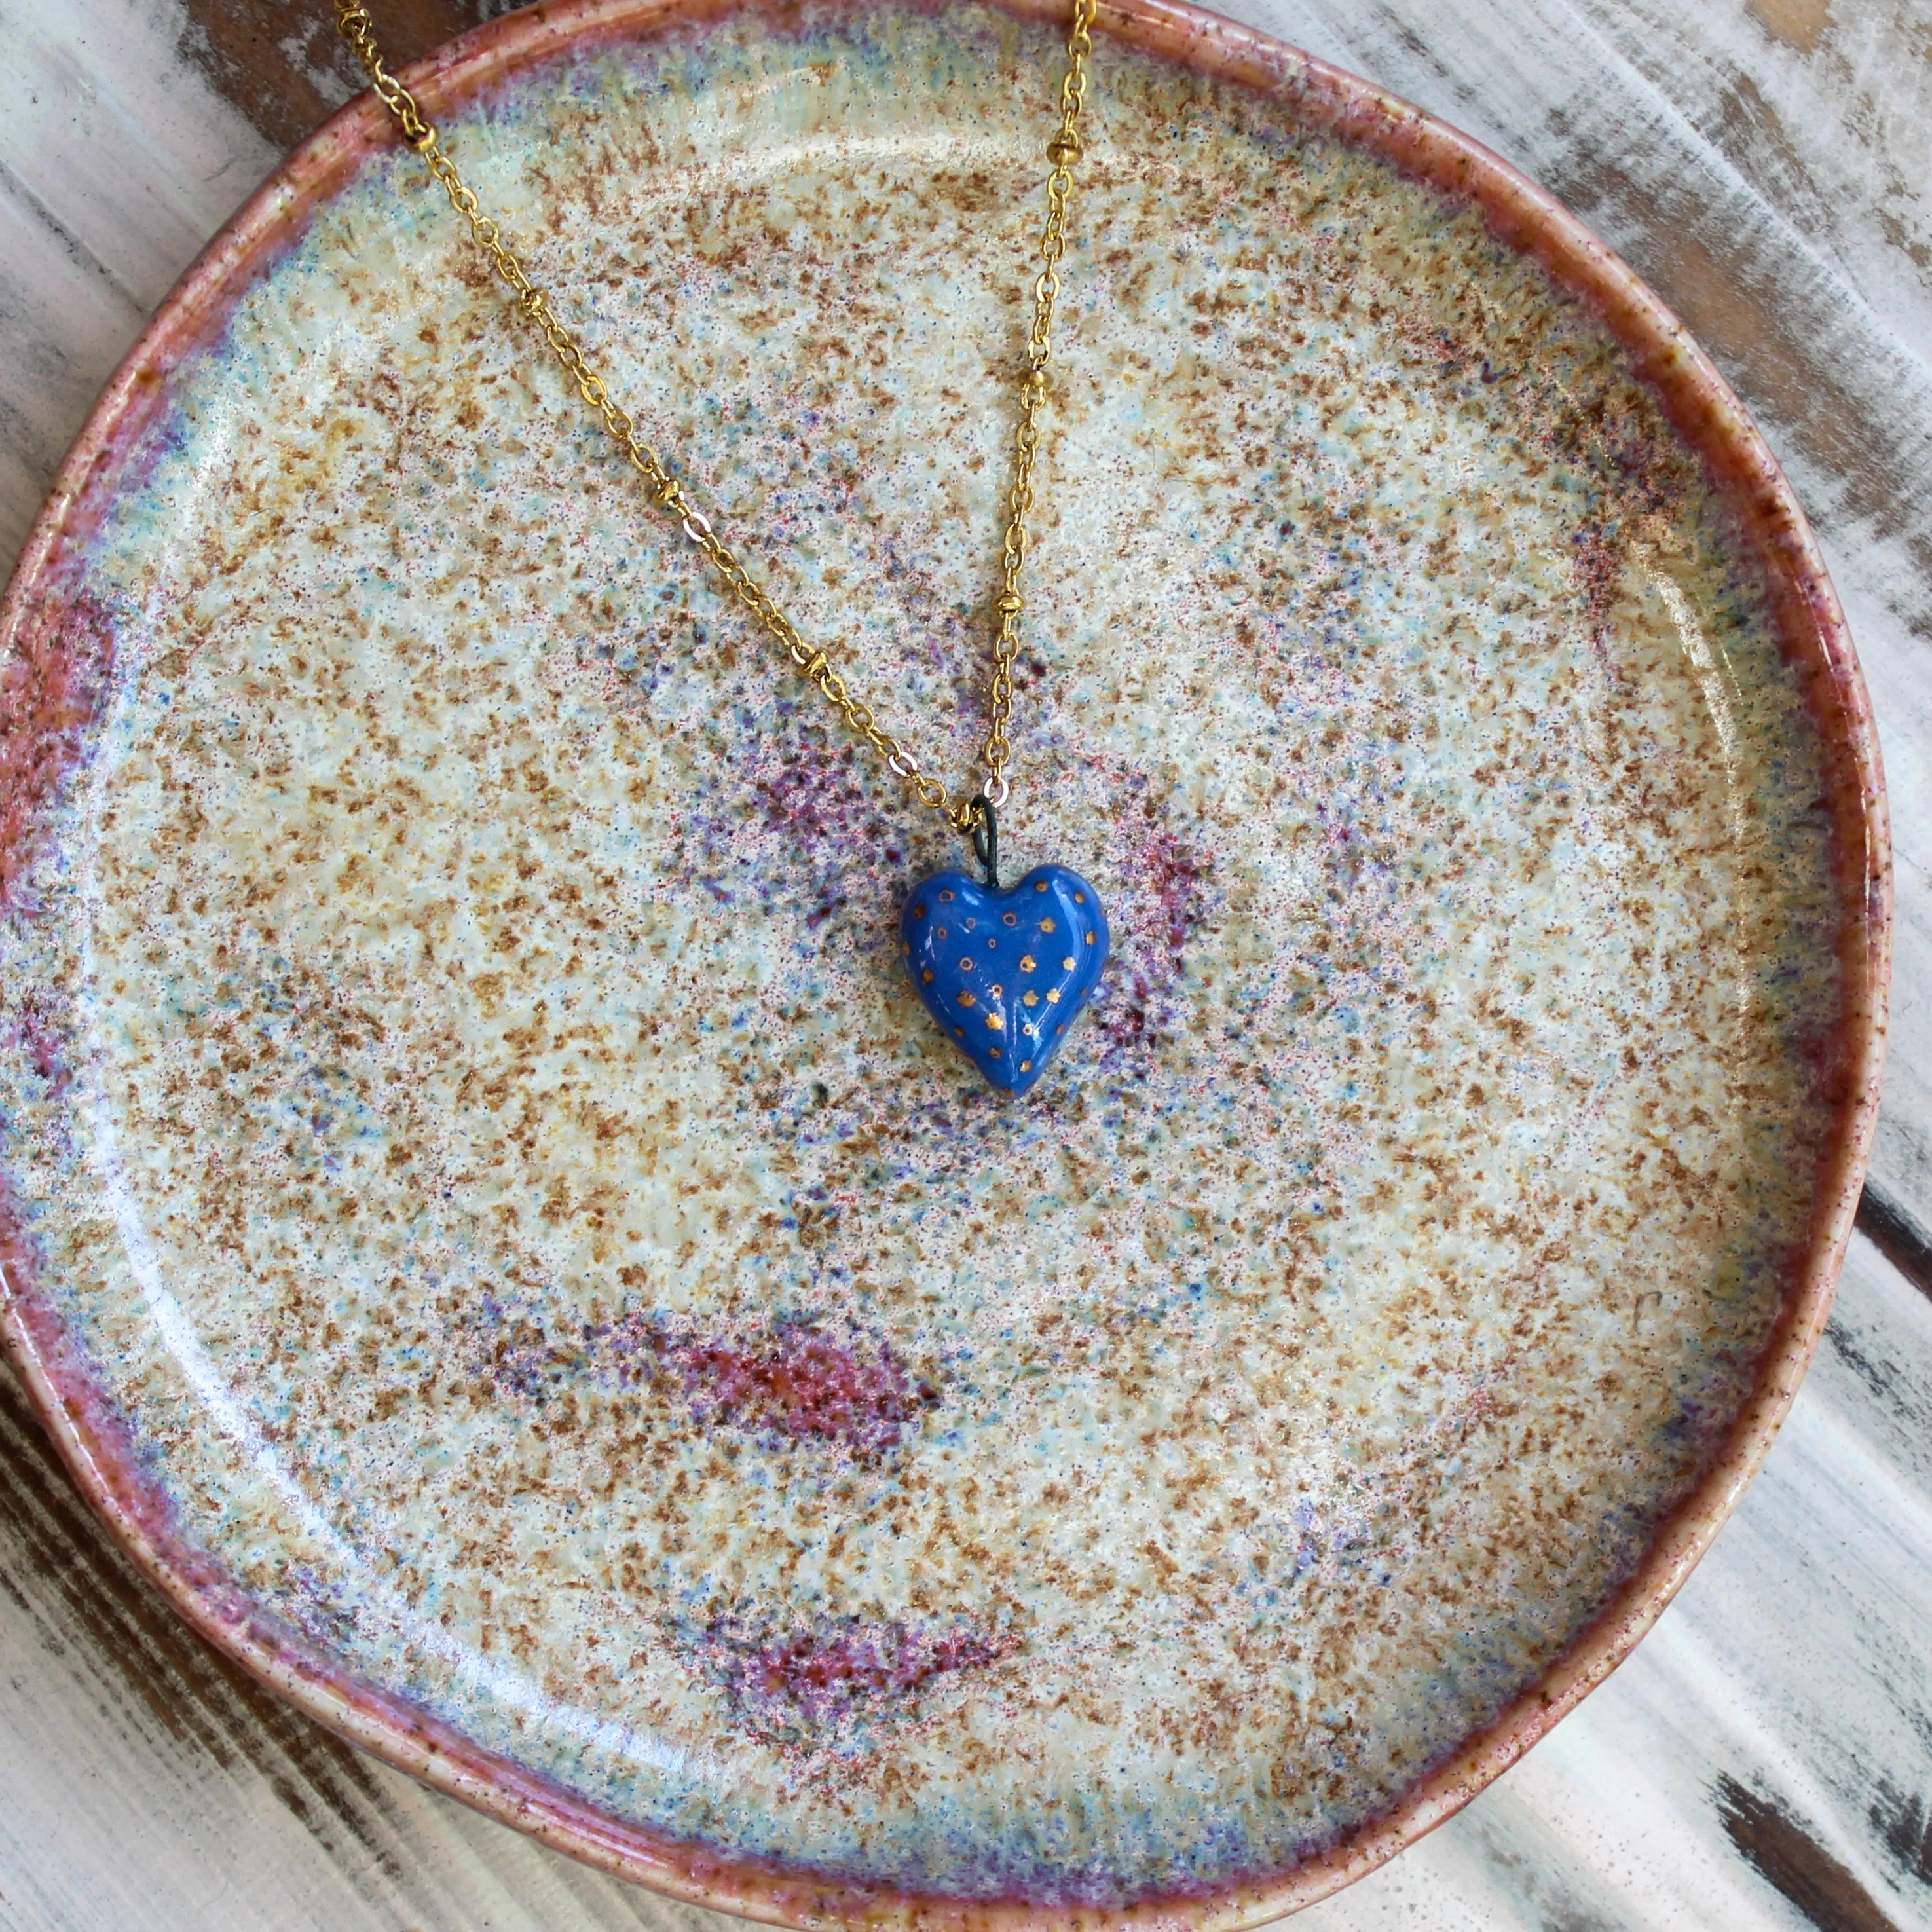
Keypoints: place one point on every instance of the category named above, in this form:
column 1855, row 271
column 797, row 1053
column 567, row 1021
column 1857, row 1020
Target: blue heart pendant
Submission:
column 1005, row 970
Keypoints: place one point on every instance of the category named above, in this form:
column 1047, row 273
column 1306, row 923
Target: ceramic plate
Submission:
column 486, row 1216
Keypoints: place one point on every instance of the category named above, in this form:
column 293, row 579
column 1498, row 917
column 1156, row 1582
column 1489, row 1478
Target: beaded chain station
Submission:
column 1062, row 150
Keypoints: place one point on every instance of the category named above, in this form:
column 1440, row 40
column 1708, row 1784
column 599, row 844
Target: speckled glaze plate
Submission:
column 486, row 1219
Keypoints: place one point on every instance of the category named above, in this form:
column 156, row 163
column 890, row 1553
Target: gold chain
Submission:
column 1062, row 150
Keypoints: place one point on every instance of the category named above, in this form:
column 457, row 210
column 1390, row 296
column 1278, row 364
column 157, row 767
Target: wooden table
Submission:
column 1764, row 1760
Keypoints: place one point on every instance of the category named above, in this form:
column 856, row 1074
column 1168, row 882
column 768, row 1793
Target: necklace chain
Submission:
column 353, row 19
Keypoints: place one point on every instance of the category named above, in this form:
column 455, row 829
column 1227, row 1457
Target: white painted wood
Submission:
column 117, row 162
column 1768, row 165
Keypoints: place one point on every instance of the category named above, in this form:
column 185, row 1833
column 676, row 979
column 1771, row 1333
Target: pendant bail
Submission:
column 985, row 833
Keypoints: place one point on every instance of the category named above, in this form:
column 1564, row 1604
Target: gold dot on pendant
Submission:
column 1070, row 963
column 1031, row 999
column 1009, row 918
column 958, row 1032
column 1053, row 996
column 1026, row 1067
column 992, row 1053
column 1079, row 899
column 993, row 1020
column 1046, row 926
column 1040, row 886
column 940, row 933
column 992, row 992
column 967, row 999
column 965, row 964
column 926, row 977
column 1090, row 939
column 918, row 912
column 946, row 898
column 1026, row 962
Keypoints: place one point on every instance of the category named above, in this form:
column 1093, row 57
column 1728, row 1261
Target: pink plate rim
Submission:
column 1704, row 411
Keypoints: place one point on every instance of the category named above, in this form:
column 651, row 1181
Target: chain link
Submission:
column 358, row 29
column 1062, row 152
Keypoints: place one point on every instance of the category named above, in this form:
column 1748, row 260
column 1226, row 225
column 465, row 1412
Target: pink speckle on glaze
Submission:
column 1167, row 877
column 31, row 1029
column 801, row 1384
column 786, row 1382
column 50, row 684
column 805, row 1685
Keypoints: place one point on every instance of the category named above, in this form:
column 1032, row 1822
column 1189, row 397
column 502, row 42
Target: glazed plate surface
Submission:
column 484, row 1211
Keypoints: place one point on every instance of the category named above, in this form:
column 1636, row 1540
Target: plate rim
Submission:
column 1703, row 411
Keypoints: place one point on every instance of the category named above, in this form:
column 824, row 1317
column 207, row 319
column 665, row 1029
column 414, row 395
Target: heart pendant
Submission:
column 1005, row 970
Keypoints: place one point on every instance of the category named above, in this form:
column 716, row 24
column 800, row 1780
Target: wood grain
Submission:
column 1765, row 1759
